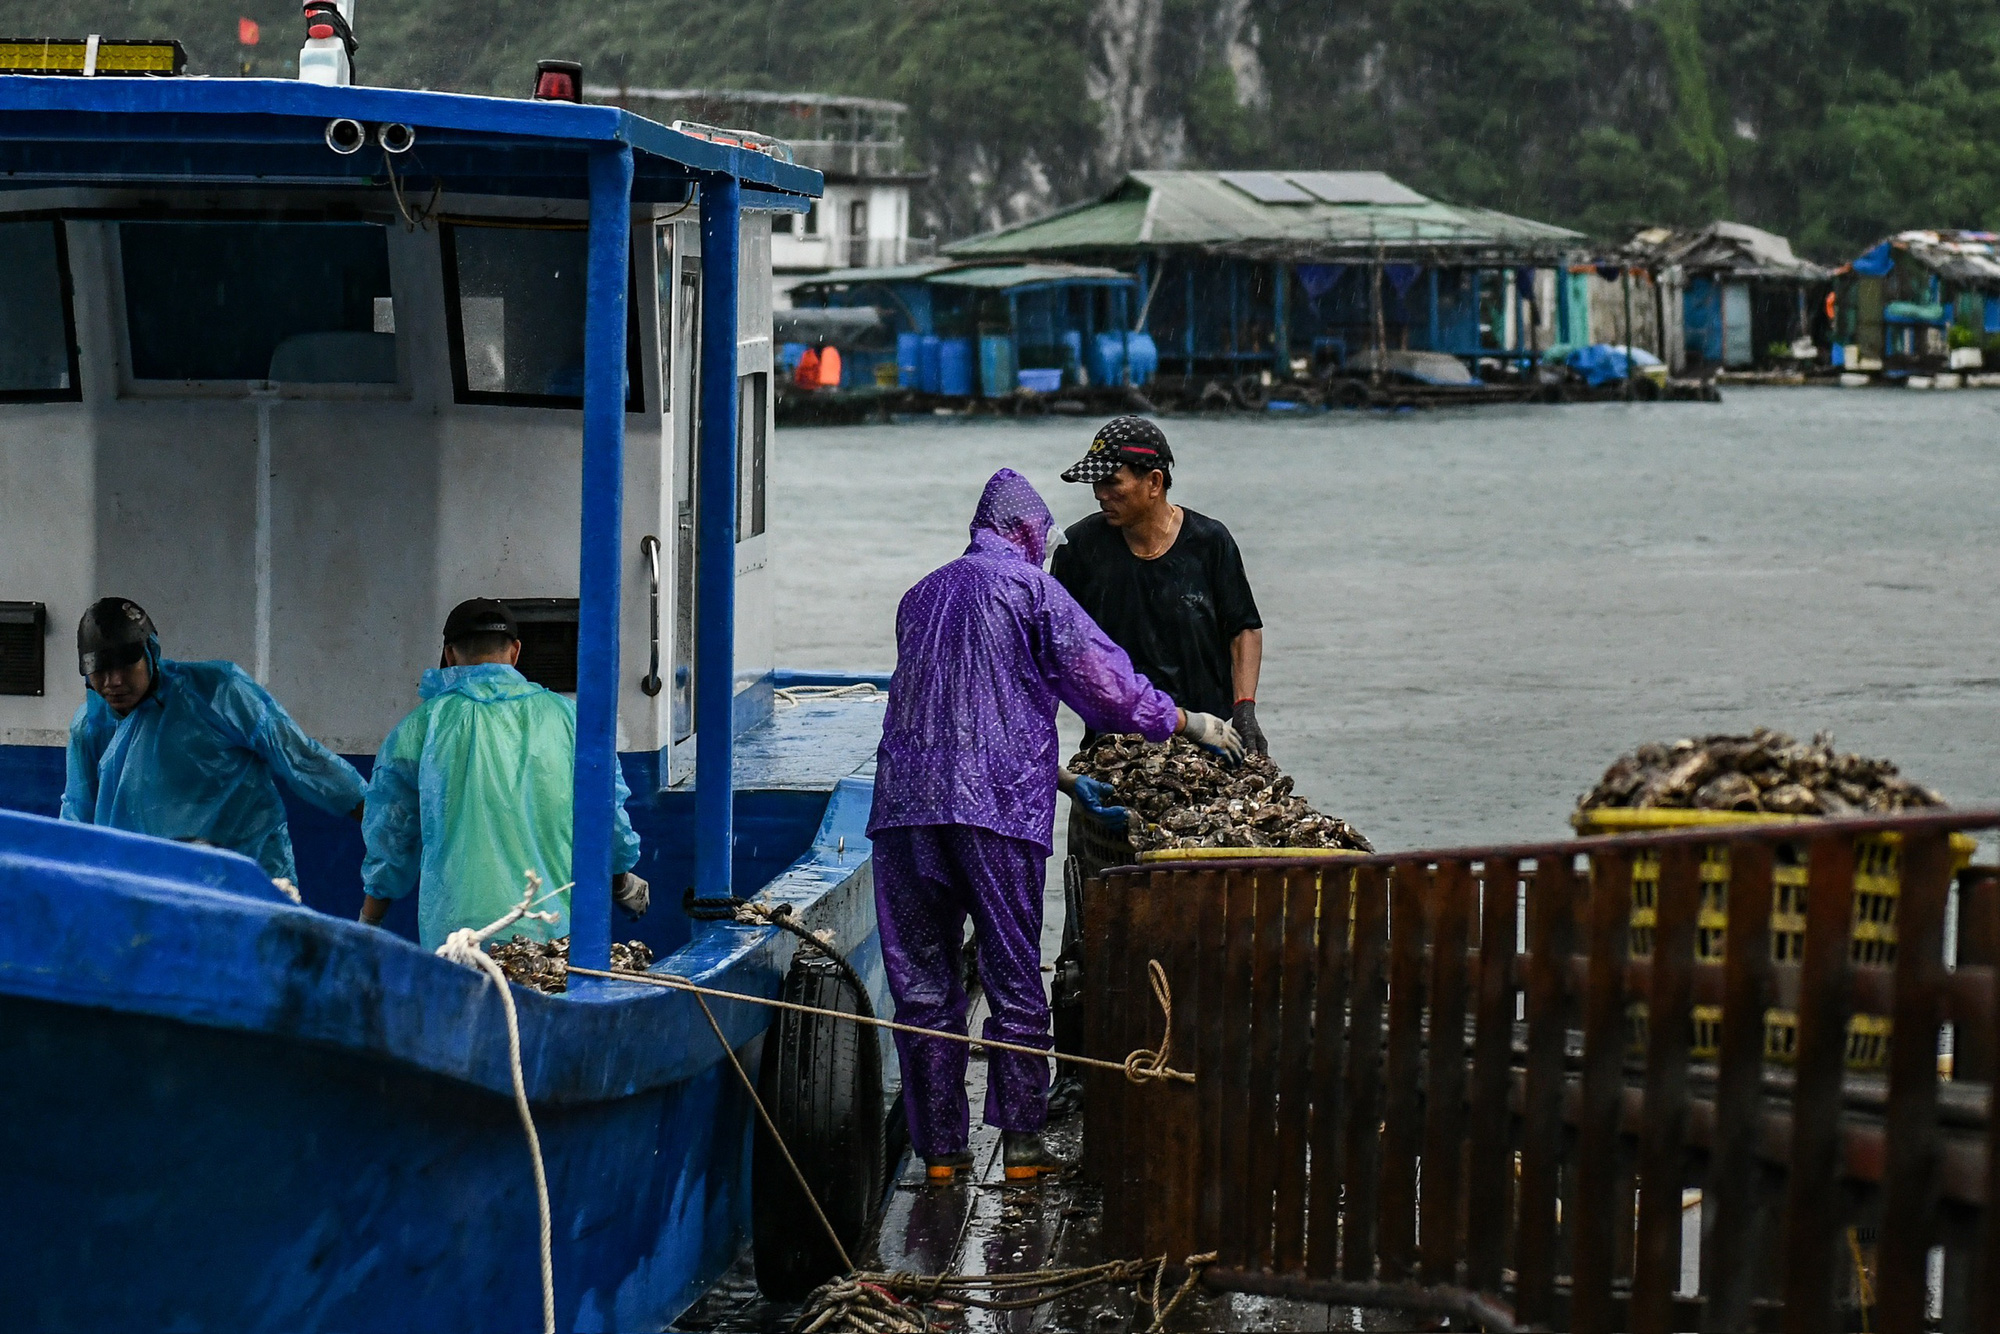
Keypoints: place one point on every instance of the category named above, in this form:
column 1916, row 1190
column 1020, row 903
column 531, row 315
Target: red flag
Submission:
column 246, row 32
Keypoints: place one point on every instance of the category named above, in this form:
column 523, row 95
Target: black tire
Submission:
column 1252, row 393
column 821, row 1081
column 1348, row 394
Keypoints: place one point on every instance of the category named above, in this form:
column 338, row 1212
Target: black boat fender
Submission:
column 821, row 1082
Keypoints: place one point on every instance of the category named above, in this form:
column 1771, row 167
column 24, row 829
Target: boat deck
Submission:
column 990, row 1227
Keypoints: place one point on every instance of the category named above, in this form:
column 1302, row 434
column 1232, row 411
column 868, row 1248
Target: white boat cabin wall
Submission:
column 298, row 434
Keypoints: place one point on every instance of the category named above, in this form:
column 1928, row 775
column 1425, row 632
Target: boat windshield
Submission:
column 292, row 302
column 35, row 342
column 516, row 309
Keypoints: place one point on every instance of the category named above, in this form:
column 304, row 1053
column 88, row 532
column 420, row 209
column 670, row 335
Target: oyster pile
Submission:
column 1764, row 771
column 1190, row 799
column 544, row 964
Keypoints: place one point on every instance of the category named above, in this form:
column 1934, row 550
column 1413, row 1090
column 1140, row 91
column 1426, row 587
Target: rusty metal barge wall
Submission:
column 1437, row 1080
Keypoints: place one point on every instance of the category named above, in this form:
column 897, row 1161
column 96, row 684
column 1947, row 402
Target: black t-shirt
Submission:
column 1175, row 614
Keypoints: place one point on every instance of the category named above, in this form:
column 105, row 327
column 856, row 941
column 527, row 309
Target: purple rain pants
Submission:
column 927, row 878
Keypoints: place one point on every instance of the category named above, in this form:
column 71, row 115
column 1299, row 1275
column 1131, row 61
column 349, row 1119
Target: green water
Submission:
column 1470, row 613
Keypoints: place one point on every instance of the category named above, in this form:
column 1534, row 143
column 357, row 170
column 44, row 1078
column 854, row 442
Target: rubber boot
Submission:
column 1025, row 1157
column 944, row 1170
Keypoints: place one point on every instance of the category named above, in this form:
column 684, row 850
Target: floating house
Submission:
column 1247, row 273
column 964, row 328
column 1726, row 295
column 1919, row 300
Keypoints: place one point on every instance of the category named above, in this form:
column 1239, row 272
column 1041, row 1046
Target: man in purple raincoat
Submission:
column 965, row 796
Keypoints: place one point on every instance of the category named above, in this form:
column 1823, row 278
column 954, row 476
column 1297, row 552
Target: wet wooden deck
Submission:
column 990, row 1227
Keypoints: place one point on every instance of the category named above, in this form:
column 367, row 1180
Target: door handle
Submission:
column 649, row 546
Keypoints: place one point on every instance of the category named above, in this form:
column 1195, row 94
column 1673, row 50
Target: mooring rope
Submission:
column 792, row 696
column 466, row 946
column 872, row 1302
column 867, row 1302
column 1140, row 1067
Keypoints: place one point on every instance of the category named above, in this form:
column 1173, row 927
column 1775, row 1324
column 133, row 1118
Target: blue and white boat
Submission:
column 299, row 367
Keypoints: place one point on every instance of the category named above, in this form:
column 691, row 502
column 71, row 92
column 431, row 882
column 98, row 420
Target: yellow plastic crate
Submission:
column 1877, row 882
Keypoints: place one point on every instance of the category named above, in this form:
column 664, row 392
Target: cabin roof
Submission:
column 1966, row 257
column 993, row 277
column 1275, row 215
column 73, row 131
column 1734, row 249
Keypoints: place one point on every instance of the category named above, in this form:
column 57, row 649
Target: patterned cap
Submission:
column 1120, row 441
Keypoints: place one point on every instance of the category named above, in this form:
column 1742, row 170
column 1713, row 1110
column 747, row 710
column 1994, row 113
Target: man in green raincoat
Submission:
column 475, row 788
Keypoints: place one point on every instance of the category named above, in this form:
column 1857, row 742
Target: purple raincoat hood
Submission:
column 986, row 647
column 1012, row 511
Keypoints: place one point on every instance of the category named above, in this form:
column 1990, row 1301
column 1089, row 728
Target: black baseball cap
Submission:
column 480, row 616
column 1120, row 441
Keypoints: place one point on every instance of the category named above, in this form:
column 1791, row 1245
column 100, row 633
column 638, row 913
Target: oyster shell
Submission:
column 1761, row 771
column 1189, row 799
column 544, row 964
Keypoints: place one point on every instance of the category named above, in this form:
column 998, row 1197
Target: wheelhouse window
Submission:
column 515, row 304
column 37, row 344
column 290, row 302
column 753, row 434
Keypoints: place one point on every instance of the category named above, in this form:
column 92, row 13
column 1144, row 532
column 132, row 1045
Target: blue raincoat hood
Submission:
column 484, row 681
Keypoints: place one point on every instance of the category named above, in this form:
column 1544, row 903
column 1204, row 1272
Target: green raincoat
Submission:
column 472, row 789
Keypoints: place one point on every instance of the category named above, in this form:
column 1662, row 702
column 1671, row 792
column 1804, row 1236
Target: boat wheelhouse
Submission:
column 298, row 368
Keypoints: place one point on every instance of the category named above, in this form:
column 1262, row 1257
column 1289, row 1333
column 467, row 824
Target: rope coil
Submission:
column 1142, row 1064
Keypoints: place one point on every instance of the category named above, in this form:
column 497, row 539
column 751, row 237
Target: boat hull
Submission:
column 225, row 1112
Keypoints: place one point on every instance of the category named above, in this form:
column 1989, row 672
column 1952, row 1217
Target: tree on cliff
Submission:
column 1834, row 122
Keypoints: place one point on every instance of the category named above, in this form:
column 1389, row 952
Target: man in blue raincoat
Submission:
column 964, row 810
column 189, row 750
column 476, row 787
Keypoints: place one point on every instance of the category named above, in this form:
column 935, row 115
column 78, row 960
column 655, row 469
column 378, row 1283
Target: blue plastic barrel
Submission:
column 1142, row 357
column 996, row 364
column 909, row 360
column 955, row 367
column 927, row 363
column 1107, row 362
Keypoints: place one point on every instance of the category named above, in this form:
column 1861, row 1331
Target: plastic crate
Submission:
column 1878, row 869
column 1096, row 848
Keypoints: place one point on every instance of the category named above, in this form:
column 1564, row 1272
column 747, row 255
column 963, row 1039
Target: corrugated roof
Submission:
column 893, row 273
column 959, row 273
column 1962, row 256
column 1734, row 249
column 1022, row 275
column 1204, row 210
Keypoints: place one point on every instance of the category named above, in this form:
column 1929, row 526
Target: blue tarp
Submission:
column 1912, row 312
column 1875, row 263
column 1603, row 363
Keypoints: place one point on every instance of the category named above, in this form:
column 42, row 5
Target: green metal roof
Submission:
column 893, row 273
column 1153, row 210
column 1028, row 275
column 957, row 273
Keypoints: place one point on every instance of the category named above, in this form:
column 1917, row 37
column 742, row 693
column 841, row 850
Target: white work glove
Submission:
column 1212, row 734
column 631, row 893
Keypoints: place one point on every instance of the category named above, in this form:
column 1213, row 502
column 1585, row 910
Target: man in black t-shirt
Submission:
column 1165, row 583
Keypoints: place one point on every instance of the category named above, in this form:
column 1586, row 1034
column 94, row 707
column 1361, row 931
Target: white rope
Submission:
column 466, row 946
column 793, row 696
